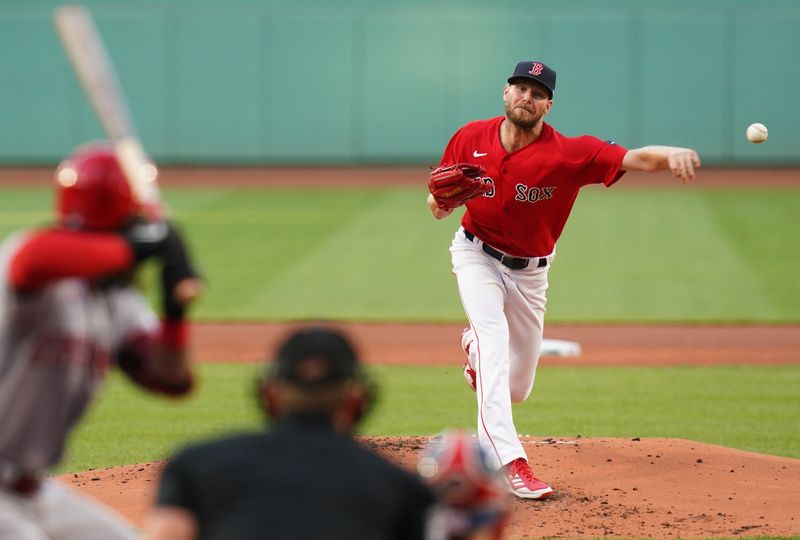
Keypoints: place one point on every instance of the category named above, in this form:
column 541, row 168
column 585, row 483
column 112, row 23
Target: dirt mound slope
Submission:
column 604, row 487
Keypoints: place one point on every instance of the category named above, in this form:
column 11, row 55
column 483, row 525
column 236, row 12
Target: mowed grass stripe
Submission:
column 747, row 407
column 266, row 208
column 246, row 266
column 763, row 230
column 380, row 265
column 662, row 255
column 653, row 255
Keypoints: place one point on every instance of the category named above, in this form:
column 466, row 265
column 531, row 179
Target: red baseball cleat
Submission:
column 523, row 483
column 467, row 338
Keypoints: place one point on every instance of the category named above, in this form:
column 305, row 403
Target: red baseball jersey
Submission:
column 534, row 188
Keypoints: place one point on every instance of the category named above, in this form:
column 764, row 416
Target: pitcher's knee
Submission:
column 518, row 395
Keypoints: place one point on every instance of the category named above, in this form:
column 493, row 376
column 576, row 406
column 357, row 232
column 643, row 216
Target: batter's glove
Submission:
column 454, row 185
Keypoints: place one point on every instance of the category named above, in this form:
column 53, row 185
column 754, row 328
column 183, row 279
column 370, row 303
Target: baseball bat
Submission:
column 95, row 71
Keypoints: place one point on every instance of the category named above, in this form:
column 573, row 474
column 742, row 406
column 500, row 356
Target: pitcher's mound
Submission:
column 652, row 488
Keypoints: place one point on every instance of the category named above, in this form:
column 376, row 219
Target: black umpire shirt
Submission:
column 300, row 480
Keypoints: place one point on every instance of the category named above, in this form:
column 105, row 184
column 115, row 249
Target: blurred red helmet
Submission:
column 91, row 190
column 470, row 492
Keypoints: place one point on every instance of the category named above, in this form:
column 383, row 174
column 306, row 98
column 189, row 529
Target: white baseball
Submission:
column 757, row 133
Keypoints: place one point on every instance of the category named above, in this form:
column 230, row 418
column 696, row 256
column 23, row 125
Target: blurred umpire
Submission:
column 306, row 477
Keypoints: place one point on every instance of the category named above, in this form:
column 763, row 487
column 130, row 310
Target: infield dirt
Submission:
column 649, row 488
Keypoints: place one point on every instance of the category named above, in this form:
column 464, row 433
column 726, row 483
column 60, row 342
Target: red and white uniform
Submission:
column 533, row 192
column 59, row 332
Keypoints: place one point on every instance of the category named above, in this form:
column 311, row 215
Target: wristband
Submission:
column 174, row 334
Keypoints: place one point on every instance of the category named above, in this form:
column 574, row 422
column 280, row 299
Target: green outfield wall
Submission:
column 364, row 82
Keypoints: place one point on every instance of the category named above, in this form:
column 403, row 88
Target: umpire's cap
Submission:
column 538, row 72
column 316, row 356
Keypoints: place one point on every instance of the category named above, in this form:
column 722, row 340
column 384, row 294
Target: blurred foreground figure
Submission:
column 68, row 311
column 306, row 477
column 473, row 502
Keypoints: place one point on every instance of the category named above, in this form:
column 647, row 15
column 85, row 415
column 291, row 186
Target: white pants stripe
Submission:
column 506, row 310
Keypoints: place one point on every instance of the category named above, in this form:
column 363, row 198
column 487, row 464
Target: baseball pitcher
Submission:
column 518, row 178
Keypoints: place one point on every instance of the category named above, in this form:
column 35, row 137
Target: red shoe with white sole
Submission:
column 523, row 483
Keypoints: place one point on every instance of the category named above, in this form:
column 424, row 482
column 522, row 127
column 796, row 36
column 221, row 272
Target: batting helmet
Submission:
column 471, row 493
column 92, row 192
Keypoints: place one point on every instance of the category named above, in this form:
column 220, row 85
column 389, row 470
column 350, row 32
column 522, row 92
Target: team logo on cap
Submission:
column 536, row 69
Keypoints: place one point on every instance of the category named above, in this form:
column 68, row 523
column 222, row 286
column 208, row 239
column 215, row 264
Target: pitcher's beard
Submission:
column 527, row 122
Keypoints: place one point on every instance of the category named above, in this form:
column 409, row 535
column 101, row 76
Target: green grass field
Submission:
column 661, row 255
column 752, row 408
column 684, row 255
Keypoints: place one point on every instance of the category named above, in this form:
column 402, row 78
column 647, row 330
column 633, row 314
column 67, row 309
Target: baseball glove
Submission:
column 454, row 185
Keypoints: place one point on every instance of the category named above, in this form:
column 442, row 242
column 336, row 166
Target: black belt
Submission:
column 514, row 263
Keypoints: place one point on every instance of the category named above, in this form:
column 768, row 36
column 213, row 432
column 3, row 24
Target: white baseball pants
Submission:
column 56, row 512
column 506, row 310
